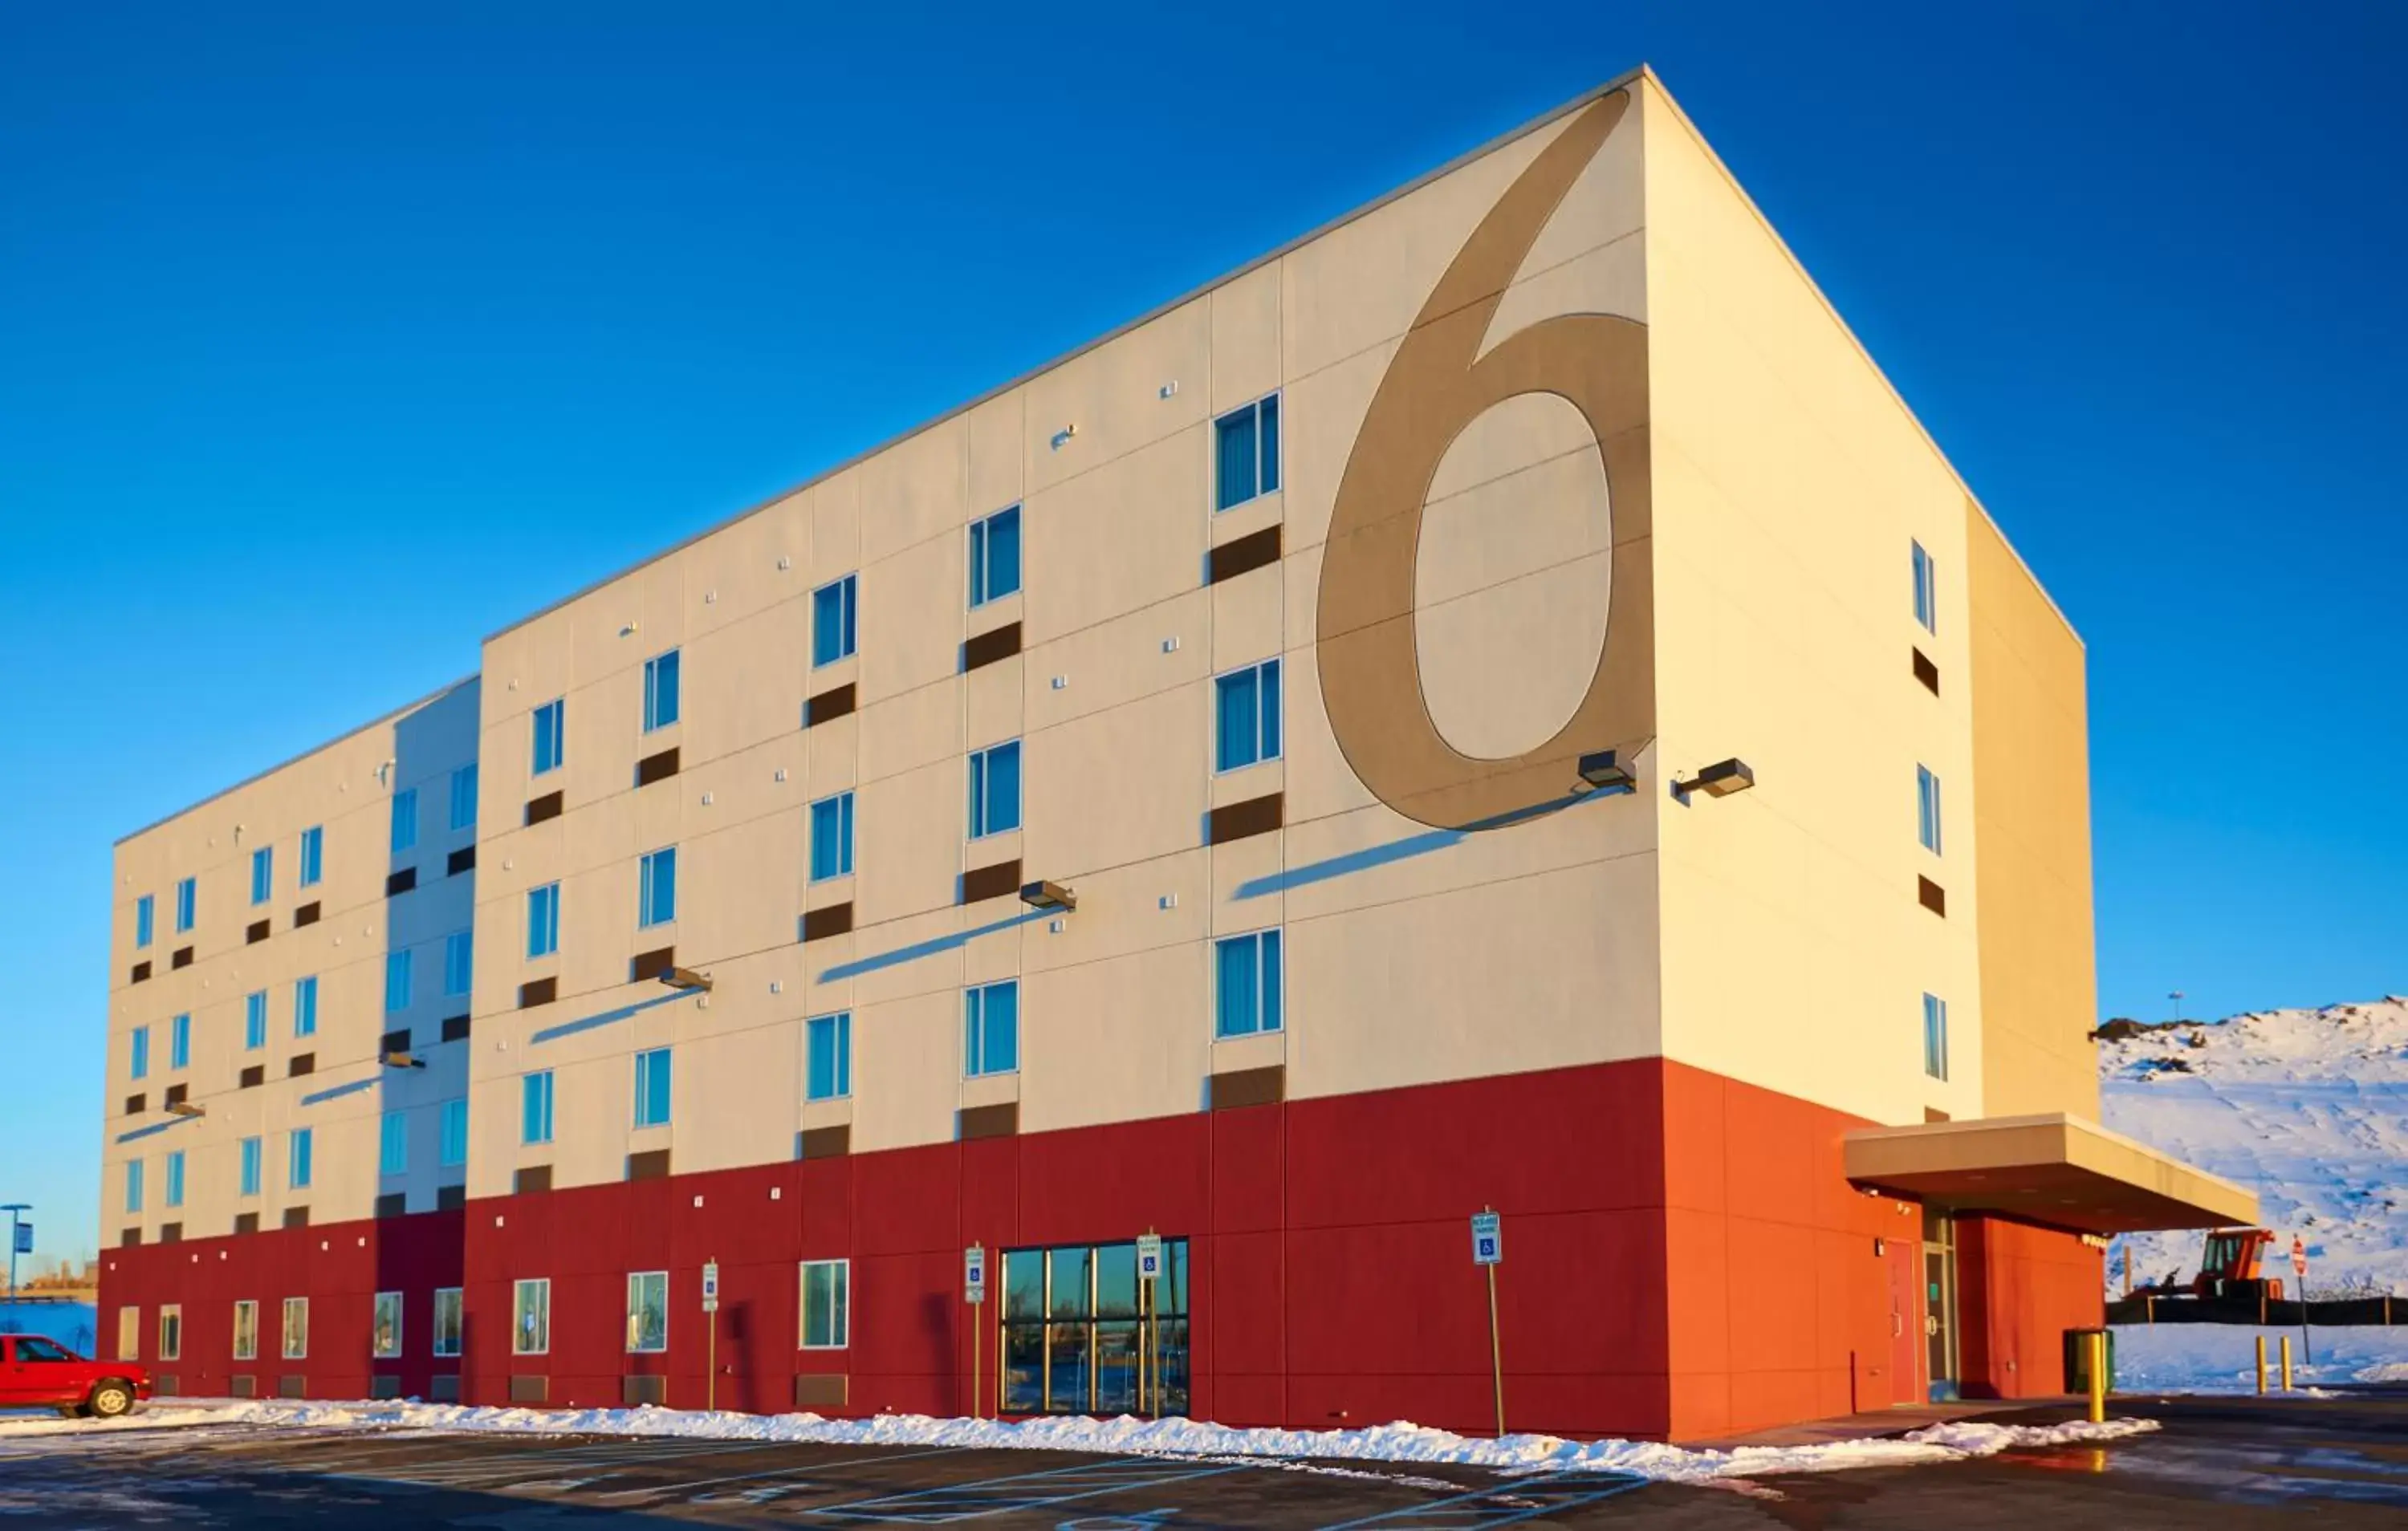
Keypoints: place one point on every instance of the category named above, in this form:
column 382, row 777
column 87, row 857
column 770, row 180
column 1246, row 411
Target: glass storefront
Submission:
column 1076, row 1339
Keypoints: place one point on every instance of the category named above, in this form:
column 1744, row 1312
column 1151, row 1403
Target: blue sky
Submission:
column 297, row 305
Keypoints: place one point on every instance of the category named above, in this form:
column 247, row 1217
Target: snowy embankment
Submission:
column 1399, row 1442
column 2307, row 1108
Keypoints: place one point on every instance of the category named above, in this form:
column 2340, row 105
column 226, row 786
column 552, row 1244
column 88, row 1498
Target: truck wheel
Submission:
column 109, row 1398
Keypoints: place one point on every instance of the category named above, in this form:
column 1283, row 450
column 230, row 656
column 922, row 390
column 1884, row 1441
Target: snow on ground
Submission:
column 2222, row 1358
column 1398, row 1442
column 2307, row 1108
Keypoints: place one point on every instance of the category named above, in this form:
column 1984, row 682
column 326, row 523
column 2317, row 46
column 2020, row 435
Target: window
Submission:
column 129, row 1334
column 262, row 874
column 535, row 1107
column 464, row 797
column 551, row 734
column 992, row 1025
column 446, row 1321
column 313, row 856
column 250, row 1163
column 1246, row 716
column 176, row 1179
column 297, row 1329
column 133, row 1185
column 396, row 981
column 459, row 961
column 384, row 1334
column 827, row 1300
column 828, row 1047
column 1926, row 809
column 994, row 556
column 187, row 901
column 834, row 620
column 254, row 1021
column 304, row 1006
column 145, row 913
column 138, row 1066
column 1248, row 980
column 1245, row 446
column 454, row 1145
column 179, row 1042
column 661, row 690
column 1071, row 1334
column 652, row 1088
column 531, row 1318
column 994, row 789
column 405, row 819
column 296, row 1159
column 1926, row 591
column 648, row 1312
column 543, row 920
column 246, row 1330
column 171, row 1332
column 656, row 889
column 1935, row 1037
column 392, row 1144
column 832, row 837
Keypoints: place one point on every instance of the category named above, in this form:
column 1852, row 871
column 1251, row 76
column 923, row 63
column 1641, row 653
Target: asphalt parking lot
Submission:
column 2227, row 1463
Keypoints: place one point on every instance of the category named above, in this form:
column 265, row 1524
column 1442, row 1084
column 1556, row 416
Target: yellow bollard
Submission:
column 2286, row 1362
column 2261, row 1366
column 2097, row 1344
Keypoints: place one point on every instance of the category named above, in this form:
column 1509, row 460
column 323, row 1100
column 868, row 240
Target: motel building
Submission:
column 1496, row 704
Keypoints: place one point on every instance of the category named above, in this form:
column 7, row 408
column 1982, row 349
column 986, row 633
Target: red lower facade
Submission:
column 1684, row 1258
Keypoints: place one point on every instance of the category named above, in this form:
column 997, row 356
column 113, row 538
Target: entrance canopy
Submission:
column 2055, row 1170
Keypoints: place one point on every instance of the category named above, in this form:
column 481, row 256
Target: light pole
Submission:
column 2177, row 998
column 12, row 1208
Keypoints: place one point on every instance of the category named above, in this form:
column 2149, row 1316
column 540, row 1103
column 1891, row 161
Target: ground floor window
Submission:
column 827, row 1304
column 386, row 1334
column 1073, row 1333
column 446, row 1321
column 246, row 1331
column 296, row 1328
column 129, row 1334
column 648, row 1310
column 531, row 1318
column 171, row 1333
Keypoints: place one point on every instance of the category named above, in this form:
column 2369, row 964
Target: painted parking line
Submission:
column 1022, row 1490
column 502, row 1466
column 1519, row 1500
column 811, row 1469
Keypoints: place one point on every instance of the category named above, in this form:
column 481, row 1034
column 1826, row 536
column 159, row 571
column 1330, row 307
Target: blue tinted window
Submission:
column 464, row 797
column 392, row 1144
column 459, row 961
column 834, row 620
column 313, row 856
column 1245, row 453
column 144, row 914
column 304, row 1006
column 828, row 1042
column 297, row 1156
column 262, row 874
column 454, row 1144
column 994, row 790
column 832, row 836
column 1247, row 981
column 405, row 819
column 133, row 1185
column 1927, row 590
column 1926, row 809
column 176, row 1179
column 550, row 735
column 1246, row 716
column 254, row 1021
column 251, row 1157
column 396, row 981
column 656, row 889
column 661, row 690
column 1935, row 1037
column 138, row 1066
column 535, row 1107
column 991, row 1016
column 187, row 898
column 994, row 556
column 652, row 1087
column 543, row 920
column 179, row 1042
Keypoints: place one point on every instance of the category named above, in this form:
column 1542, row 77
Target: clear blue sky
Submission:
column 299, row 302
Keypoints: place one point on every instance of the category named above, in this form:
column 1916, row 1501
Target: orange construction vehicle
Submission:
column 2229, row 1267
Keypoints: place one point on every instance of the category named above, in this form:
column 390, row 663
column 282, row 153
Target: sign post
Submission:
column 20, row 1240
column 2299, row 1273
column 711, row 1328
column 974, row 1290
column 1488, row 1251
column 1149, row 1331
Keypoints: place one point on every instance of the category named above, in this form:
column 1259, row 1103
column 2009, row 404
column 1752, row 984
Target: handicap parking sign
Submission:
column 1487, row 1239
column 1149, row 1257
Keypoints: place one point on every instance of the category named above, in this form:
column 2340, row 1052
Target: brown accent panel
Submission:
column 991, row 881
column 176, row 1095
column 987, row 648
column 1927, row 672
column 1932, row 1114
column 1244, row 555
column 526, row 1389
column 255, row 932
column 296, row 1217
column 244, row 1386
column 181, row 957
column 545, row 807
column 659, row 767
column 820, row 1390
column 392, row 1203
column 456, row 1028
column 650, row 1165
column 130, row 1238
column 302, row 1063
column 401, row 882
column 306, row 915
column 990, row 1121
column 1445, row 373
column 1236, row 1087
column 171, row 1232
column 827, row 1142
column 832, row 920
column 292, row 1384
column 245, row 1222
column 253, row 1077
column 136, row 1103
column 832, row 703
column 634, row 1391
column 1931, row 895
column 651, row 965
column 530, row 1179
column 534, row 992
column 1255, row 816
column 462, row 860
column 394, row 1041
column 141, row 973
column 450, row 1198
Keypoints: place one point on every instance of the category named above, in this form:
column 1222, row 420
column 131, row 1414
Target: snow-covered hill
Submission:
column 2309, row 1108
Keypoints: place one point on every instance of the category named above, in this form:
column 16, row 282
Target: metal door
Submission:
column 1905, row 1324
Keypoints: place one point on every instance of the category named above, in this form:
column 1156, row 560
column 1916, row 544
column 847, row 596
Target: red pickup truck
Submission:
column 41, row 1373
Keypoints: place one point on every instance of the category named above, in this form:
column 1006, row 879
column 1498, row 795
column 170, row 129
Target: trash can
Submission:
column 2077, row 1359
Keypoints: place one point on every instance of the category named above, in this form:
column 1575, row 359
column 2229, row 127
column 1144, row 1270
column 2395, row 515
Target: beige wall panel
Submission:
column 831, row 756
column 738, row 1099
column 732, row 576
column 1245, row 338
column 1245, row 884
column 997, row 937
column 1249, row 617
column 998, row 435
column 651, row 601
column 1120, row 914
column 906, row 843
column 906, row 733
column 1117, row 661
column 739, row 888
column 906, row 1070
column 742, row 683
column 1114, row 394
column 1147, row 801
column 1114, row 1041
column 992, row 698
column 911, row 634
column 1245, row 781
column 1319, row 414
column 915, row 490
column 1125, row 535
column 738, row 788
column 837, row 511
column 1374, row 856
column 913, row 955
column 605, row 721
column 1319, row 783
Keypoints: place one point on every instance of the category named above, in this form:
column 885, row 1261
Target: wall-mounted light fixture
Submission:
column 1599, row 769
column 1049, row 895
column 185, row 1108
column 1063, row 436
column 403, row 1060
column 686, row 978
column 1719, row 779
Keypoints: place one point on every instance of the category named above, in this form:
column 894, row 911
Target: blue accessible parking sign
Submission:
column 1487, row 1239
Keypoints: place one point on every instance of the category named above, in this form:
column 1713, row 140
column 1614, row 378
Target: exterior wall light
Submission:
column 185, row 1108
column 686, row 978
column 1719, row 779
column 1599, row 770
column 1049, row 895
column 403, row 1060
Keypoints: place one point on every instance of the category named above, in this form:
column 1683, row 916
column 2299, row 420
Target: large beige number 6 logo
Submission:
column 1437, row 386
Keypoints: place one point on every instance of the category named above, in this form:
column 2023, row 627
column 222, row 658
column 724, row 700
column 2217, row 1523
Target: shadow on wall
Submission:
column 1410, row 845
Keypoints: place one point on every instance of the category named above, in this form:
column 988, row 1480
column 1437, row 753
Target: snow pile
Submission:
column 2222, row 1358
column 1397, row 1442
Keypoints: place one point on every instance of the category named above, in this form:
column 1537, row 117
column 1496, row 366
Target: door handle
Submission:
column 1897, row 1326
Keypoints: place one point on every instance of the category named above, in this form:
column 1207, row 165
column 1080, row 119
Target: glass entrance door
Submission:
column 1078, row 1337
column 1940, row 1303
